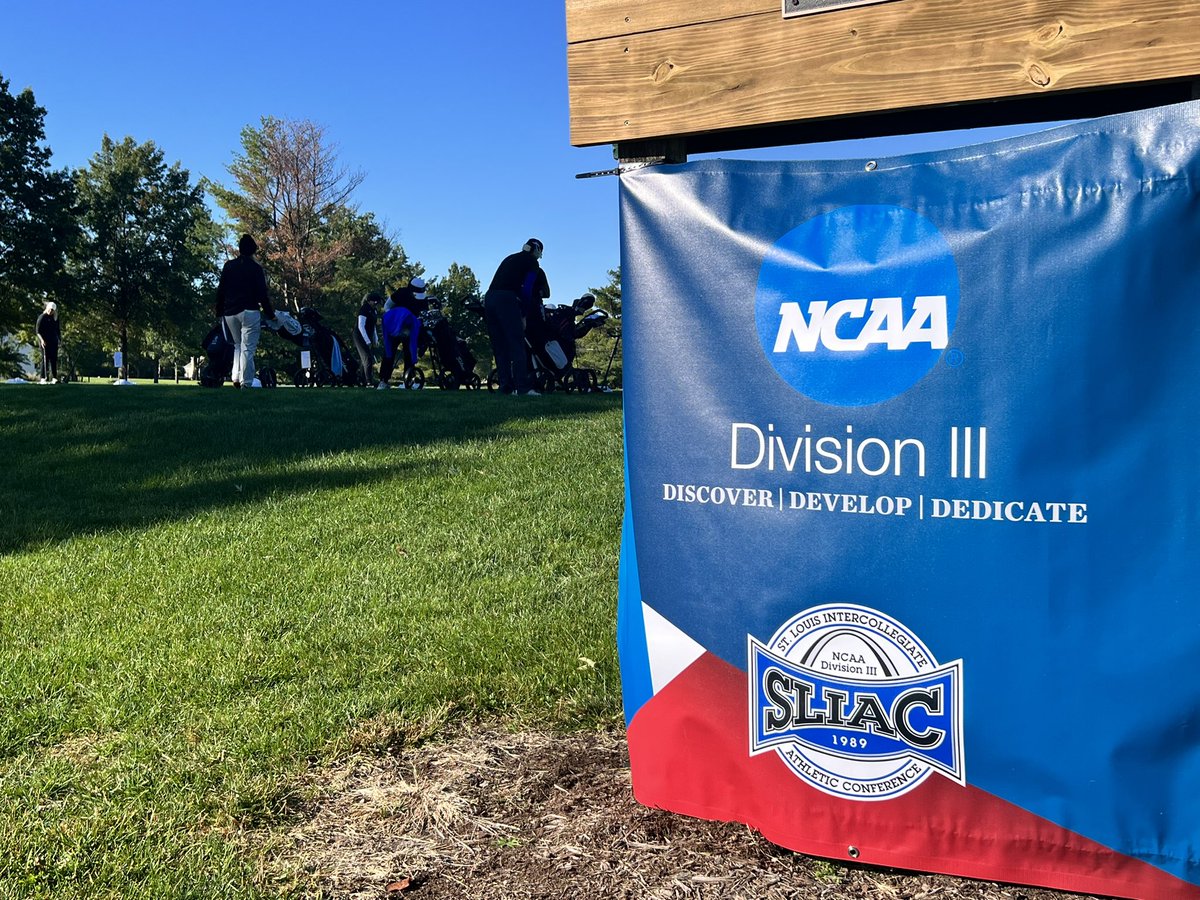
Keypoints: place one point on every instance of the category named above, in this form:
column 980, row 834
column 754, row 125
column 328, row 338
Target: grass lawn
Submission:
column 204, row 593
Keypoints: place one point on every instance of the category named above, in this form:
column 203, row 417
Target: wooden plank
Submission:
column 1052, row 106
column 906, row 54
column 589, row 20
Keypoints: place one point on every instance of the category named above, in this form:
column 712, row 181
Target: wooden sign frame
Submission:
column 664, row 78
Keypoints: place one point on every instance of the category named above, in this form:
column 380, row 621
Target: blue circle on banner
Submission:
column 856, row 306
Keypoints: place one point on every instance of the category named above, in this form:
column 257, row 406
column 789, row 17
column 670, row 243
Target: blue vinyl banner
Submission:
column 911, row 561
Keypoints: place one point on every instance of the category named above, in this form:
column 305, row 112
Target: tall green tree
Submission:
column 372, row 261
column 37, row 222
column 292, row 193
column 460, row 297
column 12, row 357
column 608, row 298
column 145, row 263
column 601, row 348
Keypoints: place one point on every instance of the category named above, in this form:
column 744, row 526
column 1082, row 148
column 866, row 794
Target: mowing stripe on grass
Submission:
column 202, row 593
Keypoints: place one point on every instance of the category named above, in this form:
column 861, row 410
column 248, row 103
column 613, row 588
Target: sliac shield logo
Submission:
column 855, row 704
column 856, row 306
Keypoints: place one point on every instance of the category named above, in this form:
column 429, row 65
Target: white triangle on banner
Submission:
column 670, row 650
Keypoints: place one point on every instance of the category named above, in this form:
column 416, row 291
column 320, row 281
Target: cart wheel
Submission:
column 474, row 382
column 447, row 381
column 324, row 378
column 545, row 382
column 300, row 378
column 586, row 381
column 414, row 379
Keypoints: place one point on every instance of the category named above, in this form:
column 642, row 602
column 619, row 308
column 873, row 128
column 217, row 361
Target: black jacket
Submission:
column 243, row 286
column 407, row 298
column 47, row 328
column 521, row 274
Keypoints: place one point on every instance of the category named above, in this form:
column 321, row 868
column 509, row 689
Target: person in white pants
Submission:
column 242, row 300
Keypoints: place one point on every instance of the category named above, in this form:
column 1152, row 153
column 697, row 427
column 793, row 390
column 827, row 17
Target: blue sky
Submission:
column 456, row 112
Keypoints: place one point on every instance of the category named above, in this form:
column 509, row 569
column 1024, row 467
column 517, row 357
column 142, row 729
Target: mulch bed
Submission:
column 537, row 816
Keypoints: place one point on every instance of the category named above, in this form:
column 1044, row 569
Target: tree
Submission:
column 460, row 297
column 13, row 360
column 372, row 261
column 37, row 221
column 145, row 263
column 603, row 344
column 291, row 193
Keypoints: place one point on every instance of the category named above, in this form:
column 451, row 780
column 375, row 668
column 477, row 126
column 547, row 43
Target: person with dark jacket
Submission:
column 515, row 295
column 412, row 297
column 48, row 336
column 241, row 300
column 366, row 335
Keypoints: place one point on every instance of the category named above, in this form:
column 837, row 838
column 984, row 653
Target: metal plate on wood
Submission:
column 808, row 7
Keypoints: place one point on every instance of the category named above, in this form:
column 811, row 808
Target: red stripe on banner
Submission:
column 688, row 750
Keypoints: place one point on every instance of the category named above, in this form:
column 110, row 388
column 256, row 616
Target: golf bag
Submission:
column 218, row 351
column 452, row 361
column 329, row 361
column 552, row 346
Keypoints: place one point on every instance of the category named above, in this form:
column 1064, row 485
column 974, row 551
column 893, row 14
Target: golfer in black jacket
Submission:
column 518, row 284
column 242, row 299
column 48, row 337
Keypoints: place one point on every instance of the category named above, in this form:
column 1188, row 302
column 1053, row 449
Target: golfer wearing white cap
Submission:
column 48, row 336
column 412, row 297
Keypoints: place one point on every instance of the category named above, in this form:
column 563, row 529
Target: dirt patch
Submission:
column 536, row 816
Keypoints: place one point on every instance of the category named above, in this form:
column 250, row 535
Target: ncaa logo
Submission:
column 855, row 704
column 857, row 305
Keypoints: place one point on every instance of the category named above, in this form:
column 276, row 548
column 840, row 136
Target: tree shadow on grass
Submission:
column 83, row 459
